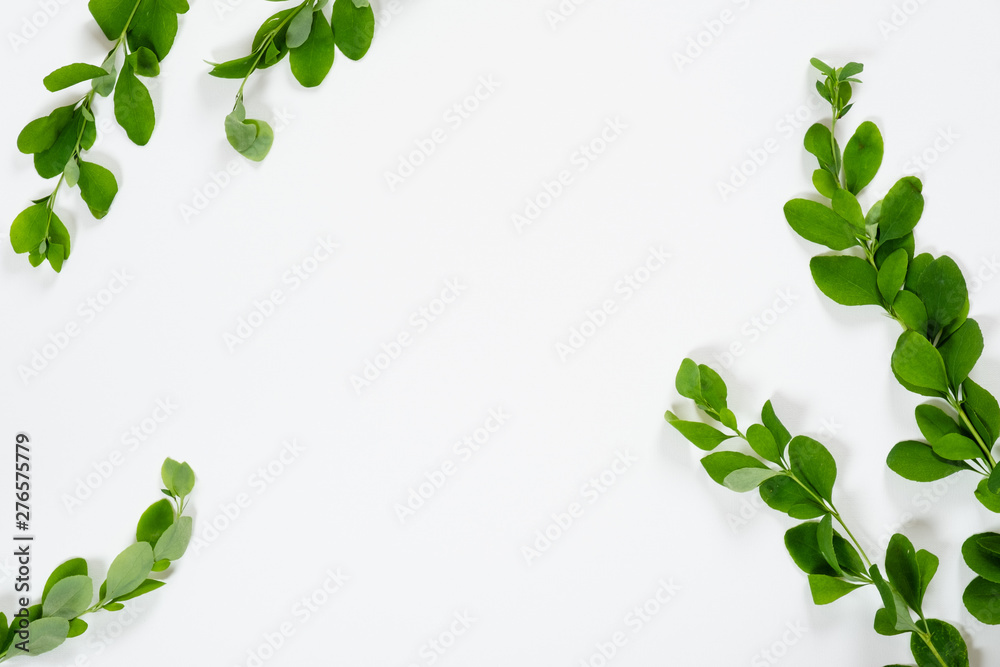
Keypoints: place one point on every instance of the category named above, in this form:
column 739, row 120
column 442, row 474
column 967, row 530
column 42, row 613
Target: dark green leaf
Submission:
column 895, row 618
column 154, row 27
column 817, row 223
column 762, row 441
column 846, row 206
column 134, row 106
column 143, row 588
column 850, row 70
column 784, row 494
column 112, row 16
column 927, row 565
column 901, row 209
column 917, row 362
column 824, row 536
column 818, row 142
column 942, row 289
column 700, row 435
column 988, row 498
column 826, row 589
column 688, row 381
column 98, row 187
column 825, row 183
column 154, row 521
column 311, row 62
column 822, row 66
column 956, row 447
column 353, row 28
column 234, row 69
column 917, row 462
column 862, row 156
column 847, row 280
column 774, row 425
column 52, row 161
column 886, row 249
column 934, row 423
column 70, row 75
column 812, row 463
column 947, row 641
column 983, row 410
column 892, row 275
column 902, row 571
column 720, row 464
column 911, row 311
column 144, row 62
column 981, row 559
column 713, row 388
column 77, row 627
column 982, row 599
column 29, row 228
column 803, row 546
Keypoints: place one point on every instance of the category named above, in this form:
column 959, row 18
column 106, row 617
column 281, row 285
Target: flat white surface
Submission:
column 683, row 130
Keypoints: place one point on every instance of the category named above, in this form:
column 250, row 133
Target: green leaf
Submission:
column 989, row 499
column 106, row 84
column 52, row 161
column 112, row 16
column 812, row 463
column 98, row 187
column 311, row 61
column 848, row 557
column 721, row 464
column 183, row 480
column 850, row 70
column 234, row 69
column 29, row 228
column 826, row 589
column 886, row 249
column 948, row 642
column 824, row 537
column 700, row 435
column 917, row 266
column 934, row 423
column 45, row 634
column 134, row 106
column 895, row 618
column 942, row 289
column 980, row 558
column 916, row 362
column 713, row 388
column 70, row 597
column 70, row 75
column 762, row 441
column 927, row 565
column 862, row 157
column 847, row 280
column 161, row 565
column 984, row 412
column 174, row 541
column 58, row 235
column 157, row 518
column 817, row 141
column 982, row 599
column 901, row 209
column 71, row 173
column 39, row 135
column 902, row 571
column 892, row 275
column 803, row 546
column 261, row 146
column 911, row 311
column 817, row 223
column 784, row 494
column 77, row 627
column 825, row 183
column 728, row 418
column 774, row 425
column 300, row 26
column 144, row 62
column 353, row 28
column 688, row 381
column 748, row 479
column 71, row 568
column 114, row 606
column 956, row 447
column 846, row 206
column 822, row 66
column 128, row 570
column 154, row 27
column 145, row 587
column 917, row 462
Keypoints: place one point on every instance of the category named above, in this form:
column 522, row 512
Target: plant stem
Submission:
column 262, row 49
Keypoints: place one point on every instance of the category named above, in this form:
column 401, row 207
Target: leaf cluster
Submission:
column 162, row 536
column 143, row 33
column 311, row 40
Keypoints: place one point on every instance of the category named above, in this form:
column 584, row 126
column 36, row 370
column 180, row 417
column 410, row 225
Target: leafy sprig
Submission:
column 143, row 33
column 162, row 536
column 310, row 40
column 940, row 345
column 796, row 476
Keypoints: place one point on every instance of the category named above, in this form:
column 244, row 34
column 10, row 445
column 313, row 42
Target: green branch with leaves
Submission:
column 940, row 345
column 310, row 40
column 162, row 537
column 142, row 32
column 796, row 476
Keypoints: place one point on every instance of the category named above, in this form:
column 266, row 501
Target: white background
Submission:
column 193, row 277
